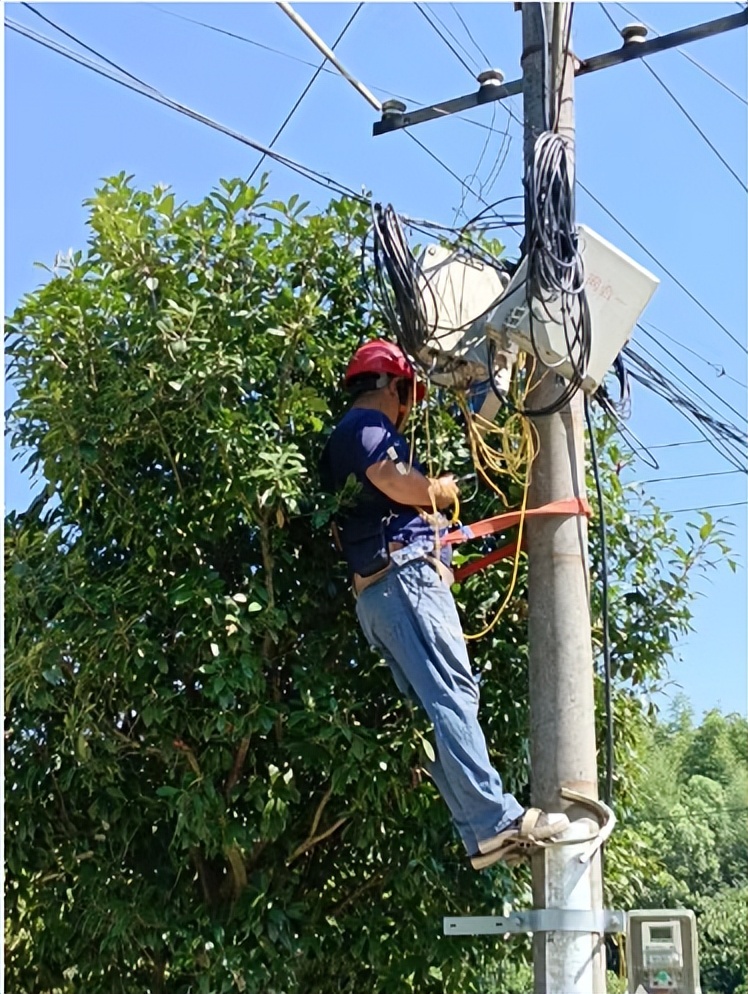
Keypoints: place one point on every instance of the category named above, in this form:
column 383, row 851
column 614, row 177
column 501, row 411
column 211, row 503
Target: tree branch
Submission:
column 190, row 757
column 378, row 878
column 236, row 769
column 311, row 842
column 318, row 813
column 236, row 880
column 171, row 458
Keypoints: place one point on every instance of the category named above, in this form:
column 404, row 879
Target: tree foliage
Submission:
column 211, row 785
column 690, row 817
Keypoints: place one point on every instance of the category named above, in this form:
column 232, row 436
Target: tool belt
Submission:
column 360, row 583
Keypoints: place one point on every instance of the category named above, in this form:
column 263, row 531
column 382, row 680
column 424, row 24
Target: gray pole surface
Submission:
column 562, row 707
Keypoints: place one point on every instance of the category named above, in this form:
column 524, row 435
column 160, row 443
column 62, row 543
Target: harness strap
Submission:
column 501, row 522
column 467, row 569
column 489, row 526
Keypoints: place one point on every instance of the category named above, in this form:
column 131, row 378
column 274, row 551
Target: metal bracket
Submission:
column 542, row 920
column 396, row 118
column 605, row 815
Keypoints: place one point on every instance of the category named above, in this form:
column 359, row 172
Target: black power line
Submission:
column 304, row 92
column 607, row 670
column 724, row 437
column 680, row 106
column 454, row 38
column 77, row 41
column 460, row 18
column 422, row 11
column 689, row 400
column 152, row 94
column 707, row 507
column 690, row 476
column 443, row 164
column 682, row 365
column 717, row 367
column 683, row 110
column 675, row 445
column 686, row 55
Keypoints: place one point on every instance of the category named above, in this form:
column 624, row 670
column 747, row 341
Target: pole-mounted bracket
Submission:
column 492, row 87
column 542, row 920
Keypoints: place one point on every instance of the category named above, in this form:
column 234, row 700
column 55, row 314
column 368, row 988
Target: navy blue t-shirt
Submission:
column 362, row 438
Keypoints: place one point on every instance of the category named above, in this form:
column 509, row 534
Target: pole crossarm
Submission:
column 483, row 95
column 639, row 50
column 491, row 91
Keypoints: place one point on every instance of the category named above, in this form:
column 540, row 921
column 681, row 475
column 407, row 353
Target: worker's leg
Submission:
column 412, row 617
column 435, row 768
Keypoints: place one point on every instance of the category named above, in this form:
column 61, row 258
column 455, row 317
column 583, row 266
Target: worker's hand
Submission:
column 443, row 490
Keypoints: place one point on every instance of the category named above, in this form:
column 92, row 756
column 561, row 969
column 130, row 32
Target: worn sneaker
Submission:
column 532, row 830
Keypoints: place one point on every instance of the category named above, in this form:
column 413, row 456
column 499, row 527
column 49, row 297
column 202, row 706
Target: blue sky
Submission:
column 66, row 127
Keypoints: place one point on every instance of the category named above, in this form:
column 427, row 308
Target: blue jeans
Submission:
column 410, row 617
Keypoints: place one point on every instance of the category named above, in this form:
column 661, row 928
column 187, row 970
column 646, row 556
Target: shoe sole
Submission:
column 516, row 848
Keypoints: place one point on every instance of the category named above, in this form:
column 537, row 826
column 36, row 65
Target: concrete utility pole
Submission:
column 562, row 707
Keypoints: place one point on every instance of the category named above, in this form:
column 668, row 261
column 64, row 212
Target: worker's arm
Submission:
column 412, row 487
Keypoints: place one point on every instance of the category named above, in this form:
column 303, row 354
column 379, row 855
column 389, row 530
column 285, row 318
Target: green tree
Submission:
column 694, row 824
column 715, row 748
column 210, row 783
column 723, row 926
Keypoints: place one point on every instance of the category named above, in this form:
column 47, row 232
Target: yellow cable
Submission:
column 515, row 571
column 427, row 424
column 513, row 457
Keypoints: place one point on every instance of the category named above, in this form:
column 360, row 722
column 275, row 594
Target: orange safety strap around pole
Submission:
column 463, row 572
column 489, row 526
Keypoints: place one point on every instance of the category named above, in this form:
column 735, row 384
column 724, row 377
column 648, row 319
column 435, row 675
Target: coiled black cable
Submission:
column 555, row 272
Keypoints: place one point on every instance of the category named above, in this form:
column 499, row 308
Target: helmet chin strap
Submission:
column 401, row 413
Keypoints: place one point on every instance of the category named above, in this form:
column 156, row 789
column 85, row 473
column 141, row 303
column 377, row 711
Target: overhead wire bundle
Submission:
column 727, row 438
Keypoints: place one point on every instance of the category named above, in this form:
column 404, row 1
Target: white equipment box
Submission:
column 457, row 292
column 617, row 288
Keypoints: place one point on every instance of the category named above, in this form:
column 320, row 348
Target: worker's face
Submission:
column 403, row 392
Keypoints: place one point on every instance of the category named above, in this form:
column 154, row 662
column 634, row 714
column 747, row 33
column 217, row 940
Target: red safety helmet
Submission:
column 381, row 356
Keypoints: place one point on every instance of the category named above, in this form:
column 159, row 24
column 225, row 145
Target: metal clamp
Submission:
column 604, row 815
column 543, row 920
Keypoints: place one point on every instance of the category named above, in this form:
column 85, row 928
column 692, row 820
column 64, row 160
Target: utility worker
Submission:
column 401, row 579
